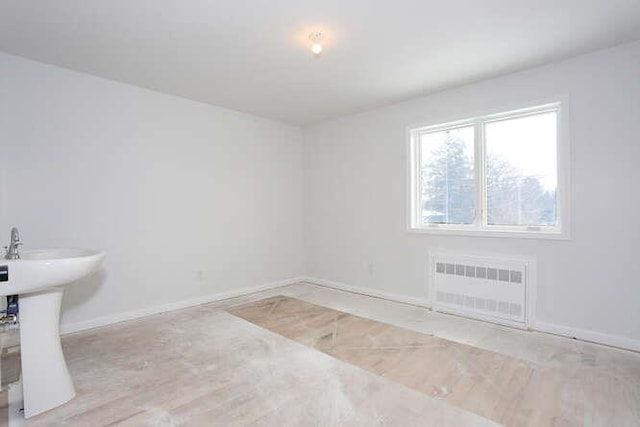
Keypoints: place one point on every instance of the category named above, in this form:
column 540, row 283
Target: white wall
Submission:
column 355, row 185
column 168, row 186
column 165, row 185
column 4, row 153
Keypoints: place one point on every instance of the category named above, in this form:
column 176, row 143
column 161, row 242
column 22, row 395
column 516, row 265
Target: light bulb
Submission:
column 316, row 45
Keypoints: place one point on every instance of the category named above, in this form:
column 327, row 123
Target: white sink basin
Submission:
column 50, row 268
column 38, row 279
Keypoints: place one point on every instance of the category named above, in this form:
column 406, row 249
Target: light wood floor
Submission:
column 502, row 388
column 315, row 356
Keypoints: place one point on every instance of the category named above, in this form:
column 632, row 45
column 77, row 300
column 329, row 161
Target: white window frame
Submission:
column 479, row 228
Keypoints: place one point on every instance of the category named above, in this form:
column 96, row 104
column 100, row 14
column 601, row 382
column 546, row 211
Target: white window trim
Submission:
column 561, row 232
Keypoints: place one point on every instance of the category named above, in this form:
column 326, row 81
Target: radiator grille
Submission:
column 484, row 287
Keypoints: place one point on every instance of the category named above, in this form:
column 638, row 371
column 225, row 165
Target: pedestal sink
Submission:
column 38, row 278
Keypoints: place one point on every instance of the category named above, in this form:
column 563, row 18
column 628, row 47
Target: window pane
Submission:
column 447, row 189
column 522, row 171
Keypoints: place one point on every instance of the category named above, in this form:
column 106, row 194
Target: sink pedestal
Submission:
column 45, row 378
column 38, row 278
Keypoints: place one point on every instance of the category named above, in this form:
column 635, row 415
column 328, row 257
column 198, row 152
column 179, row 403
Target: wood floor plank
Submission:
column 499, row 387
column 203, row 366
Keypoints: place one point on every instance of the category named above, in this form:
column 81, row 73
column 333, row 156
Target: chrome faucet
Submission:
column 12, row 251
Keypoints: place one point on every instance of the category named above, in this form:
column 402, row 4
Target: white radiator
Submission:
column 486, row 288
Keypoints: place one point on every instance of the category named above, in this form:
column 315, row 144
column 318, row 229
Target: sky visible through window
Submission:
column 528, row 144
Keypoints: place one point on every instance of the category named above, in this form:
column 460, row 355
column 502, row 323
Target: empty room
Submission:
column 328, row 213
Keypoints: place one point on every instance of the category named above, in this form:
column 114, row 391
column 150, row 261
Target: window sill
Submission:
column 499, row 233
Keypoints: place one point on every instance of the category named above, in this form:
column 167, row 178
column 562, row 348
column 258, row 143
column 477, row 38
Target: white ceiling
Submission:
column 253, row 55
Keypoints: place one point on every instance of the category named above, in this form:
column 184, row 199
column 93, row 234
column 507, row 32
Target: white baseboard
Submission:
column 587, row 335
column 565, row 331
column 421, row 302
column 110, row 319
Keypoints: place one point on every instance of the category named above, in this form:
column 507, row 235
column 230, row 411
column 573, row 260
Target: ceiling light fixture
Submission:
column 316, row 45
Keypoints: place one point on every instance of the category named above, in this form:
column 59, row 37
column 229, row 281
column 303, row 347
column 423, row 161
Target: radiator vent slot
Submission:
column 488, row 288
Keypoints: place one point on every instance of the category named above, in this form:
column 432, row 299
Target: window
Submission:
column 499, row 174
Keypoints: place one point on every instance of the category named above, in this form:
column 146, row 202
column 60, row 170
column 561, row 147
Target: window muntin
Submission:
column 492, row 174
